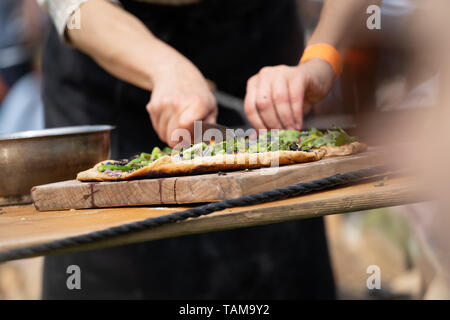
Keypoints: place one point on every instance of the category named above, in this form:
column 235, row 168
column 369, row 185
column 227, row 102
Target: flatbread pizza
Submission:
column 276, row 148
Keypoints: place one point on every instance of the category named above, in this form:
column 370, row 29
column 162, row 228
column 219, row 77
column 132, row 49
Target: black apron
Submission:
column 229, row 41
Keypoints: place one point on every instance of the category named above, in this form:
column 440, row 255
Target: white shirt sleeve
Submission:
column 61, row 11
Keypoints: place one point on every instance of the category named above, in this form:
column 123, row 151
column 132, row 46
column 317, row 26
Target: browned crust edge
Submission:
column 345, row 150
column 170, row 166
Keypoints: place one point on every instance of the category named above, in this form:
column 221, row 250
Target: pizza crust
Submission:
column 239, row 161
column 345, row 150
column 94, row 175
column 169, row 166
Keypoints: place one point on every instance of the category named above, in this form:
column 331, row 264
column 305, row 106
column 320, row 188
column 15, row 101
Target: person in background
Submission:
column 22, row 24
column 142, row 67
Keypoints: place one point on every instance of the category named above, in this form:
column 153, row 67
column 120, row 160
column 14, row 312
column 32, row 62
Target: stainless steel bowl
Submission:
column 32, row 158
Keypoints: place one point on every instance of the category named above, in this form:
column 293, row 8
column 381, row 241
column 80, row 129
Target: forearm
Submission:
column 340, row 21
column 121, row 44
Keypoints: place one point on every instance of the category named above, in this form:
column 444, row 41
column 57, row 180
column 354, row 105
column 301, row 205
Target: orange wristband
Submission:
column 325, row 52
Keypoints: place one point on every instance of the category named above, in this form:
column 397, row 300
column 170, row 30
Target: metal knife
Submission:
column 217, row 131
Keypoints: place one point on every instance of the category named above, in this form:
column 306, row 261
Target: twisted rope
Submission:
column 150, row 223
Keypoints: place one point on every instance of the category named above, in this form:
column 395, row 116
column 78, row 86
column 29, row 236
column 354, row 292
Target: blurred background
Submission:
column 388, row 78
column 22, row 31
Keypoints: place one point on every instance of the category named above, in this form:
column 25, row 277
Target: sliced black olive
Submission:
column 293, row 147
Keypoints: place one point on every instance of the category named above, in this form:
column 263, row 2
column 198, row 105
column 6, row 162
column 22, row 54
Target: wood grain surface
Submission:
column 193, row 189
column 22, row 226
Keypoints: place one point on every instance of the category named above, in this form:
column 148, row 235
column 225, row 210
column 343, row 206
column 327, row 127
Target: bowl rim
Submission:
column 61, row 131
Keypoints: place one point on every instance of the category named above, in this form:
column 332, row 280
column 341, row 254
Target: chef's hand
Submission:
column 120, row 43
column 278, row 97
column 180, row 96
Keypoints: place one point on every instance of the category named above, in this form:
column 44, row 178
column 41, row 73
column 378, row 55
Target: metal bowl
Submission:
column 32, row 158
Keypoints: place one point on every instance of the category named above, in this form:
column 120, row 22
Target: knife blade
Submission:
column 217, row 132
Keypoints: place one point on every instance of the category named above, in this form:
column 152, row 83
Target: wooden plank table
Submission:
column 22, row 226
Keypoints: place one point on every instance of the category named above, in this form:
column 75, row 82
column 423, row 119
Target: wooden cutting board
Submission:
column 193, row 189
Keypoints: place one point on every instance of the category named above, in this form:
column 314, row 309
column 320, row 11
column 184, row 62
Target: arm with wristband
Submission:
column 278, row 97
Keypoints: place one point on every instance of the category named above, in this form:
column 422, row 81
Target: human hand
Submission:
column 180, row 96
column 278, row 97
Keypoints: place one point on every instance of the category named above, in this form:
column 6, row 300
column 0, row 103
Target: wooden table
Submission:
column 22, row 226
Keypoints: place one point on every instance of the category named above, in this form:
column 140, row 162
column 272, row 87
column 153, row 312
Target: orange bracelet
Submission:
column 325, row 52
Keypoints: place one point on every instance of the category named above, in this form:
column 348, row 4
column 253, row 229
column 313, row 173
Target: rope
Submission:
column 150, row 223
